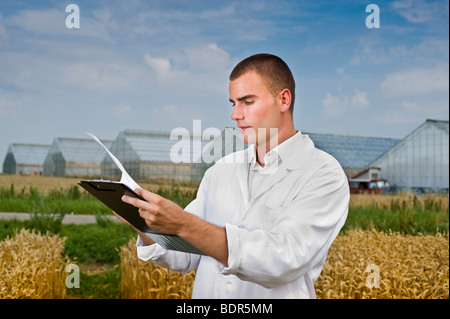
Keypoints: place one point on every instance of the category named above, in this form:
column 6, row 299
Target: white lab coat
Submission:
column 279, row 237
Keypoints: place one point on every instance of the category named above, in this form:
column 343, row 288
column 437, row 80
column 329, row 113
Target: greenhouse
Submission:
column 74, row 157
column 354, row 153
column 420, row 160
column 149, row 155
column 25, row 158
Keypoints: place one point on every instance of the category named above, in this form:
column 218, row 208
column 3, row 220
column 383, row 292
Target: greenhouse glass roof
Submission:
column 349, row 151
column 29, row 154
column 353, row 151
column 150, row 146
column 79, row 150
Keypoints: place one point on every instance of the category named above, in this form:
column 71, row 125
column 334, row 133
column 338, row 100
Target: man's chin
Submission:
column 248, row 139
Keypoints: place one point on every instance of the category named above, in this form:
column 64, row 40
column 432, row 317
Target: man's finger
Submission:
column 132, row 200
column 138, row 203
column 149, row 196
column 146, row 215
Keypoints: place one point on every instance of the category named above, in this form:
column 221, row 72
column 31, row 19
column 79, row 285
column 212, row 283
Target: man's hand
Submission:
column 167, row 217
column 158, row 212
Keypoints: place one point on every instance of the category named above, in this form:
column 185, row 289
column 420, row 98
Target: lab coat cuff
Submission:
column 150, row 252
column 232, row 232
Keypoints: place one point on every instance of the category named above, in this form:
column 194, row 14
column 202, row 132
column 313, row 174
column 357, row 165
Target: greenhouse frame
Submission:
column 420, row 160
column 354, row 153
column 74, row 157
column 153, row 155
column 25, row 158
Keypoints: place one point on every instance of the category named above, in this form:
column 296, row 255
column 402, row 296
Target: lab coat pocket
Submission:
column 277, row 199
column 273, row 202
column 269, row 212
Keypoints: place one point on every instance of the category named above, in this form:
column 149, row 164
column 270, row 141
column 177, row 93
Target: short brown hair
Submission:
column 273, row 70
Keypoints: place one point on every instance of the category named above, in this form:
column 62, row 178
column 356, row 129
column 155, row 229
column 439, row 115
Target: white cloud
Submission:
column 159, row 65
column 407, row 111
column 100, row 76
column 417, row 11
column 52, row 22
column 221, row 13
column 417, row 81
column 374, row 52
column 334, row 105
column 207, row 57
column 359, row 99
column 370, row 51
column 199, row 66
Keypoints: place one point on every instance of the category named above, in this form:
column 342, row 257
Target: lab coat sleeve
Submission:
column 175, row 260
column 300, row 237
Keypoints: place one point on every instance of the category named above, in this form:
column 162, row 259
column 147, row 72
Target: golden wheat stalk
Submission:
column 145, row 280
column 32, row 266
column 409, row 266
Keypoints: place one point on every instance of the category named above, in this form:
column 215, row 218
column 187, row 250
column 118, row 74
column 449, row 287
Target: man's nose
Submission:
column 237, row 113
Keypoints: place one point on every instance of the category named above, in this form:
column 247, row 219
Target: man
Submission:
column 266, row 222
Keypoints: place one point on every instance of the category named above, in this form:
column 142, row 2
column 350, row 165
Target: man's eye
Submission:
column 249, row 102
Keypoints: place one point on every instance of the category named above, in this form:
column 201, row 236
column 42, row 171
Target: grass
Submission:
column 406, row 222
column 87, row 243
column 73, row 199
column 406, row 213
column 101, row 284
column 64, row 201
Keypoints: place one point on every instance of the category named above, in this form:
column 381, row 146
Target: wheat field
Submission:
column 32, row 266
column 47, row 183
column 145, row 280
column 370, row 264
column 360, row 265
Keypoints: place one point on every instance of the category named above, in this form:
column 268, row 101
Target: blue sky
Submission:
column 158, row 65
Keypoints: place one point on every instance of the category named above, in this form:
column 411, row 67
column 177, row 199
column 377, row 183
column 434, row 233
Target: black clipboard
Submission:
column 110, row 193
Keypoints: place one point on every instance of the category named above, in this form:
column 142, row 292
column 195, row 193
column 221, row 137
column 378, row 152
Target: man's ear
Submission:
column 285, row 99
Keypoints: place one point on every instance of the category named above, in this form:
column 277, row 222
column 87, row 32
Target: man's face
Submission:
column 256, row 110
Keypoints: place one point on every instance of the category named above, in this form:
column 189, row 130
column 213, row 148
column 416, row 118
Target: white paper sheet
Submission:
column 125, row 178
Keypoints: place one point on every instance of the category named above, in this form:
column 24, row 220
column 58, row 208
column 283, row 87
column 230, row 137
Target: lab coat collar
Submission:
column 296, row 151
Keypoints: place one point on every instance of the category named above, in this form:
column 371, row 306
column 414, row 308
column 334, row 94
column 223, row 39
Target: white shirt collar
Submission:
column 275, row 156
